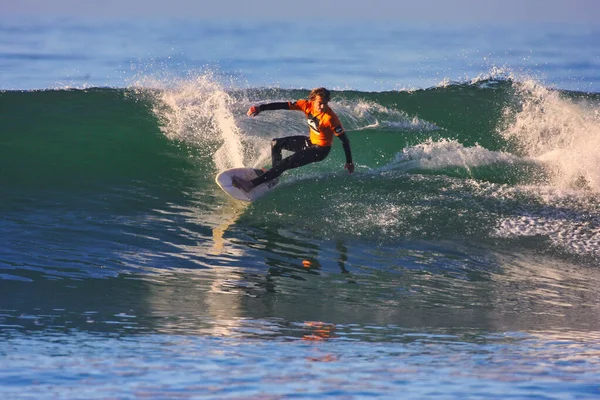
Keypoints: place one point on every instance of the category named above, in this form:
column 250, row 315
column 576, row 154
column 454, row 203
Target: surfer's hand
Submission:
column 350, row 167
column 253, row 111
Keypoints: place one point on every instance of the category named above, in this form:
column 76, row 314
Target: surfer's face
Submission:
column 318, row 105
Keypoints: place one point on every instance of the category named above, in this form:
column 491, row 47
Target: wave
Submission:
column 484, row 159
column 559, row 129
column 522, row 118
column 483, row 122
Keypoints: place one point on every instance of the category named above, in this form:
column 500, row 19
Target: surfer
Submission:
column 323, row 124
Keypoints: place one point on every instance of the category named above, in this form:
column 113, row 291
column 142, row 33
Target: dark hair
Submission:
column 324, row 93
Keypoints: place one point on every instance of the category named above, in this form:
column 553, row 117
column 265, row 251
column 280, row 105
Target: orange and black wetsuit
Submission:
column 307, row 149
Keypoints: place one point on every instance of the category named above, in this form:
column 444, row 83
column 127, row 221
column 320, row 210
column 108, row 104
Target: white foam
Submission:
column 487, row 79
column 444, row 153
column 568, row 221
column 363, row 114
column 560, row 133
column 199, row 110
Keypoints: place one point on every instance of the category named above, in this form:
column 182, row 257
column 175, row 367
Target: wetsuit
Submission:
column 307, row 149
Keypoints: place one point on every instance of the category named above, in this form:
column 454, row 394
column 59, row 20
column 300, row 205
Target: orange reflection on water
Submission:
column 319, row 330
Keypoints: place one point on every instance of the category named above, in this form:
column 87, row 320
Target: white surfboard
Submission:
column 224, row 182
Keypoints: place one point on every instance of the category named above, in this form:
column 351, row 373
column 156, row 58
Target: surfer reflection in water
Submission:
column 323, row 124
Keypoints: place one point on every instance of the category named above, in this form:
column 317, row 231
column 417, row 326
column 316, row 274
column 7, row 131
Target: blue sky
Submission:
column 439, row 11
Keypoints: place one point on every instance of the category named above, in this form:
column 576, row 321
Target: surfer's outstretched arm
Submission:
column 279, row 105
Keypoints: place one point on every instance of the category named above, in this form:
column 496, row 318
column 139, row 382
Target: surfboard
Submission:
column 224, row 181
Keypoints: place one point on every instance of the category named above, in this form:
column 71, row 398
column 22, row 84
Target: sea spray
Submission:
column 358, row 114
column 559, row 132
column 450, row 153
column 200, row 111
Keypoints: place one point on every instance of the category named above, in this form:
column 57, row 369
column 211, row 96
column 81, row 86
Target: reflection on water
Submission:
column 419, row 286
column 174, row 303
column 274, row 314
column 194, row 265
column 417, row 365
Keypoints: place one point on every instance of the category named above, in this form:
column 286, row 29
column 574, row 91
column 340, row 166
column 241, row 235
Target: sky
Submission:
column 319, row 11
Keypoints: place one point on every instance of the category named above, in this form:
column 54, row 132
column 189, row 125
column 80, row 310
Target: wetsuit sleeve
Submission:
column 280, row 105
column 346, row 144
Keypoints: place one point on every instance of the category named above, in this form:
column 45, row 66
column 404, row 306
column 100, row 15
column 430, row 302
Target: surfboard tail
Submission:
column 225, row 182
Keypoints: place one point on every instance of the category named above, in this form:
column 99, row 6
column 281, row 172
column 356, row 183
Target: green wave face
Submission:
column 480, row 160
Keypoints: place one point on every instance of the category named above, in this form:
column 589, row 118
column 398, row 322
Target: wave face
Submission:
column 494, row 160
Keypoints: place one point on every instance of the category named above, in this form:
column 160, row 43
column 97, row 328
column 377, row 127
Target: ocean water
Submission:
column 460, row 260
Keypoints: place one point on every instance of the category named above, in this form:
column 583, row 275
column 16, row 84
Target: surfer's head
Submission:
column 322, row 92
column 319, row 97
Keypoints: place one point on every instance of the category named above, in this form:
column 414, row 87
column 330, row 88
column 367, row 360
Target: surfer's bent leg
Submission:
column 303, row 157
column 290, row 143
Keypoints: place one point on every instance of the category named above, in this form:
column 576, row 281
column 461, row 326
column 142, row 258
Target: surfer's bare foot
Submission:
column 242, row 184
